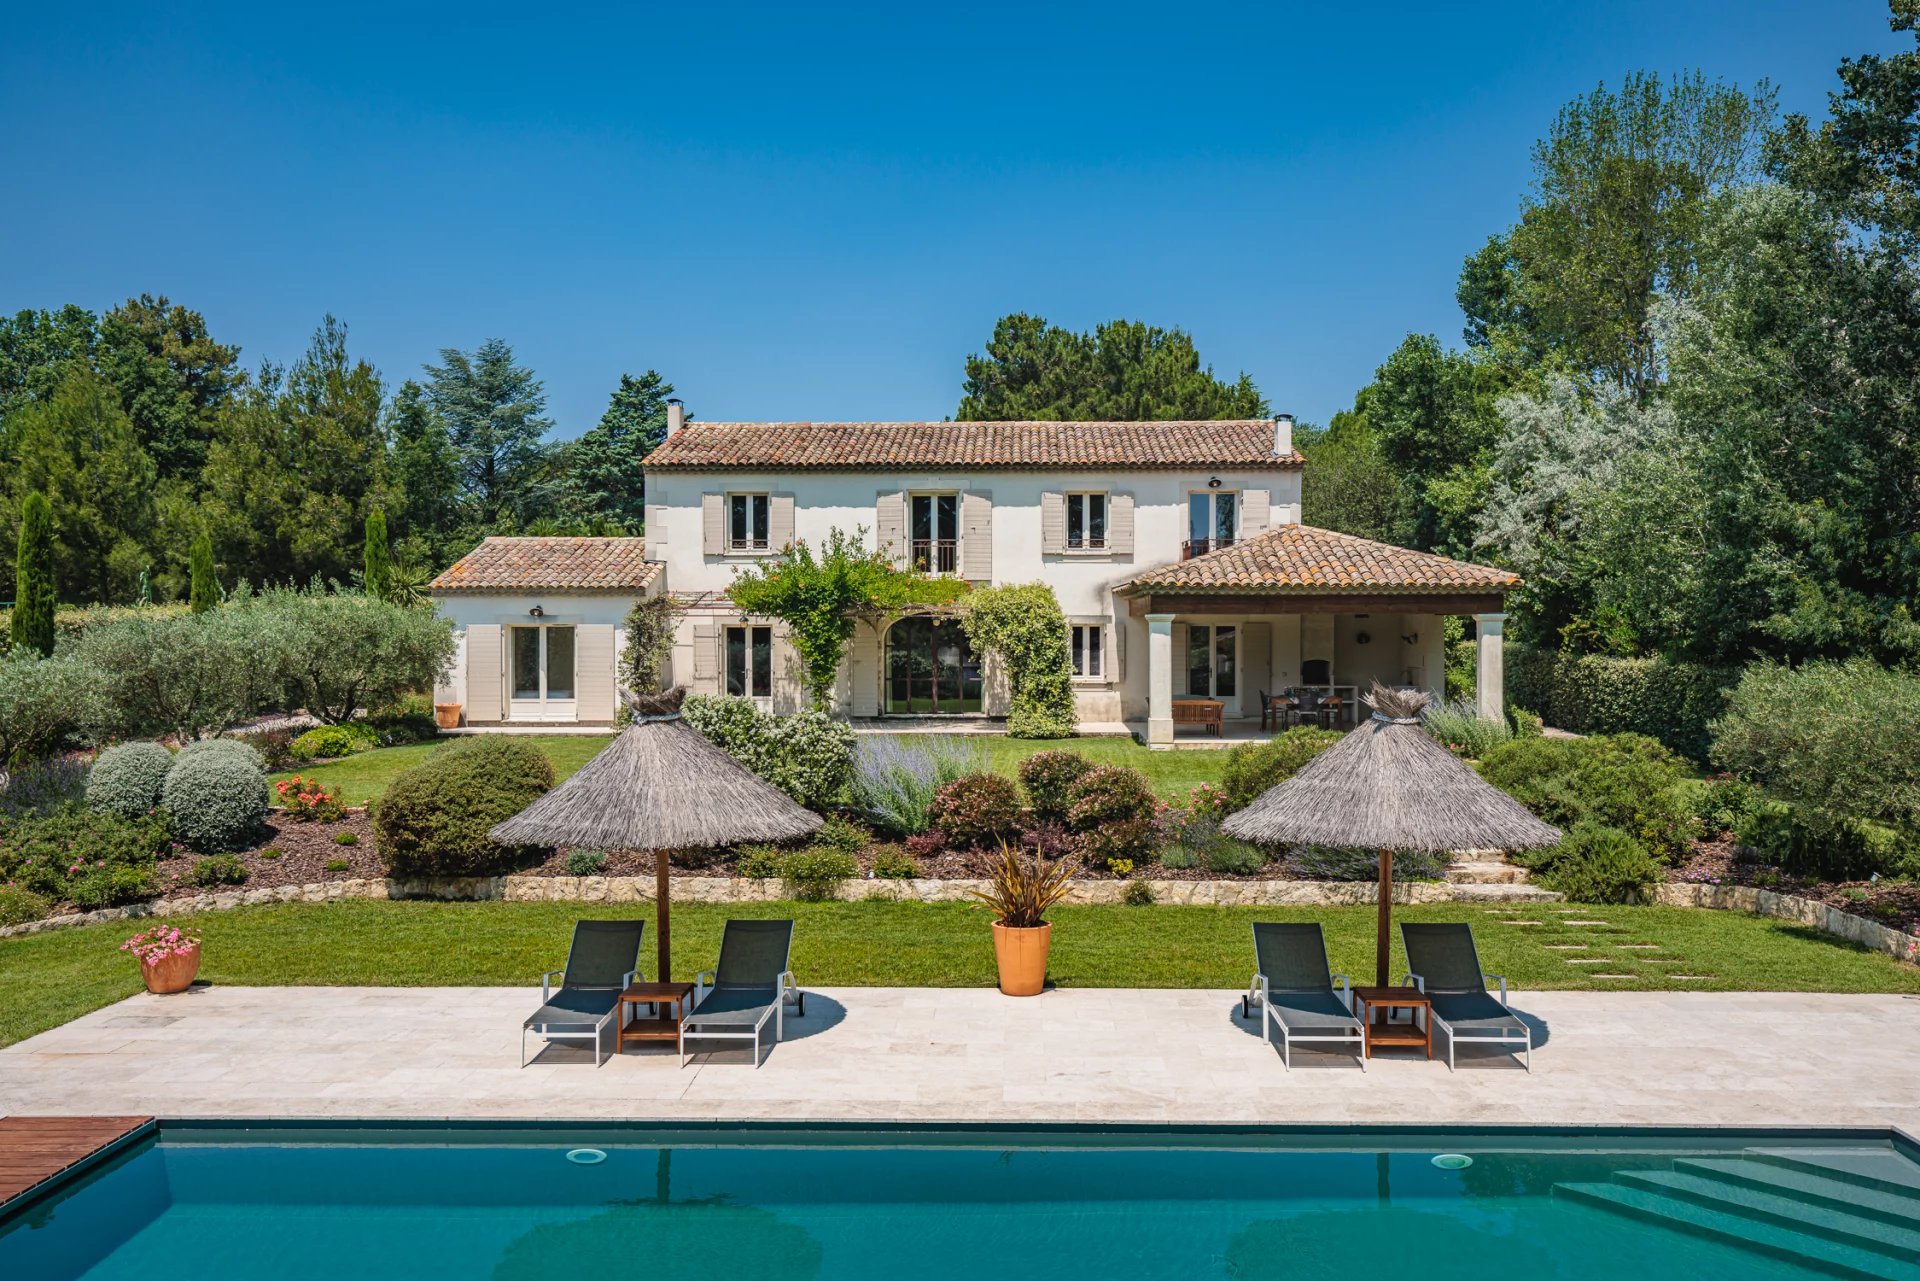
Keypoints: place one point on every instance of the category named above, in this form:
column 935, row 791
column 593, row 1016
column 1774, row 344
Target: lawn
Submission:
column 364, row 777
column 53, row 977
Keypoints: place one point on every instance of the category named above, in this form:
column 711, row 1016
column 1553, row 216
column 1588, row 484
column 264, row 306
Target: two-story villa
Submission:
column 1175, row 548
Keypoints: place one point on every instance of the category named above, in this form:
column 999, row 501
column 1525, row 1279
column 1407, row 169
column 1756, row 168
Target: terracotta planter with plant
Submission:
column 1019, row 892
column 169, row 958
column 447, row 715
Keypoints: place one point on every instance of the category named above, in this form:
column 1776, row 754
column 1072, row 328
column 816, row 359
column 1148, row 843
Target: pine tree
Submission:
column 604, row 479
column 34, row 589
column 378, row 563
column 205, row 590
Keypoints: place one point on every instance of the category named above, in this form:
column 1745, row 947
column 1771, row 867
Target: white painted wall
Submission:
column 468, row 609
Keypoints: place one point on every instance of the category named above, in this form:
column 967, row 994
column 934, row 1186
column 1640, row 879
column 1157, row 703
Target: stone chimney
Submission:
column 1282, row 435
column 676, row 417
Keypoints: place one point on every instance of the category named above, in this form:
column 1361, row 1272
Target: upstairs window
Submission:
column 1213, row 519
column 934, row 530
column 1086, row 522
column 747, row 522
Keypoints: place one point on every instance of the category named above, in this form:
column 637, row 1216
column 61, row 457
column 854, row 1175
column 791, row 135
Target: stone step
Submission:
column 1472, row 893
column 1487, row 872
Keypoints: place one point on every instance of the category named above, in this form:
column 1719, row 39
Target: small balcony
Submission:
column 936, row 555
column 1201, row 546
column 1091, row 543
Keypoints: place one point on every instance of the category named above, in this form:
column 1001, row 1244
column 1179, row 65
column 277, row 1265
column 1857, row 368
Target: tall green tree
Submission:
column 604, row 480
column 377, row 564
column 35, row 593
column 36, row 349
column 1348, row 485
column 424, row 470
column 172, row 378
column 1620, row 187
column 1123, row 370
column 78, row 448
column 297, row 464
column 495, row 412
column 205, row 588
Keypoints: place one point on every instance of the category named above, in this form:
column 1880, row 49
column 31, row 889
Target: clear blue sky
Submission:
column 816, row 210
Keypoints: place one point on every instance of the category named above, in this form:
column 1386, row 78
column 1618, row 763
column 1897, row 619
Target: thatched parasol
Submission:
column 1389, row 786
column 659, row 786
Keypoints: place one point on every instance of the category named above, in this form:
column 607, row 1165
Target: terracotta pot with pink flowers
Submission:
column 169, row 958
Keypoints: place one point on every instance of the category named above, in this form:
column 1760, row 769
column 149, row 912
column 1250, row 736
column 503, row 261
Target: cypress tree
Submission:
column 204, row 590
column 379, row 565
column 35, row 591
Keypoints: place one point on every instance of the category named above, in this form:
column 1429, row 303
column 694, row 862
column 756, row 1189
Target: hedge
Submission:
column 1595, row 694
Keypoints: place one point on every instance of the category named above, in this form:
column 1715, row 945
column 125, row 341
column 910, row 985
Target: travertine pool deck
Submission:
column 974, row 1055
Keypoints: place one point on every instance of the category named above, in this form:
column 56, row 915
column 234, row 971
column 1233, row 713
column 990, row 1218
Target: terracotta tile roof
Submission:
column 1300, row 558
column 1245, row 442
column 550, row 564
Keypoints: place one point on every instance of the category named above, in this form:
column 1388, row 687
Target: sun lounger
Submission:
column 603, row 960
column 749, row 985
column 1297, row 991
column 1443, row 963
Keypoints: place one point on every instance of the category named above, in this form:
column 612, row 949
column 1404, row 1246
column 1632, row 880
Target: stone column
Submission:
column 1490, row 667
column 1160, row 680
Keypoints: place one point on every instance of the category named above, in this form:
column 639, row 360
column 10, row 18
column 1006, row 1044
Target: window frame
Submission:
column 1084, row 500
column 1090, row 639
column 750, row 670
column 932, row 543
column 758, row 502
column 1214, row 540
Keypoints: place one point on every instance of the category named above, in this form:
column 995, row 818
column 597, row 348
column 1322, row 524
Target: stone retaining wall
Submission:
column 1791, row 907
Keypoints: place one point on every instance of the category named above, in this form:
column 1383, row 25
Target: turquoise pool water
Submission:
column 212, row 1205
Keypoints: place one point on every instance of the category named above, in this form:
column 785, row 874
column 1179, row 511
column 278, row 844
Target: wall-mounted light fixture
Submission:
column 1214, row 483
column 537, row 612
column 1411, row 638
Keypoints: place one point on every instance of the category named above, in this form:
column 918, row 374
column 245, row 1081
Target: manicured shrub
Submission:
column 1252, row 768
column 231, row 748
column 1835, row 741
column 219, row 869
column 1598, row 864
column 215, row 801
column 1325, row 863
column 894, row 778
column 326, row 742
column 759, row 862
column 1594, row 694
column 1625, row 781
column 808, row 755
column 18, row 905
column 586, row 862
column 1233, row 858
column 817, row 873
column 434, row 818
column 838, row 834
column 1048, row 778
column 1464, row 731
column 1111, row 812
column 891, row 863
column 36, row 589
column 126, row 779
column 975, row 812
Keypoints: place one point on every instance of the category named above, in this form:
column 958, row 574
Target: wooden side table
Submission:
column 667, row 1028
column 1369, row 1000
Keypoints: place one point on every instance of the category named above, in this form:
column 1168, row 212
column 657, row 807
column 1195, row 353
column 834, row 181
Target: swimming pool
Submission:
column 518, row 1203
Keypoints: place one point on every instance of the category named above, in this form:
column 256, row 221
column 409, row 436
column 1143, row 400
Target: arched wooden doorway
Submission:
column 931, row 669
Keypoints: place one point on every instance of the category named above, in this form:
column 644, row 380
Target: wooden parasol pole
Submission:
column 1381, row 944
column 661, row 934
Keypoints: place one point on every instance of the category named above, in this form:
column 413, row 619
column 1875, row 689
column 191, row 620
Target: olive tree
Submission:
column 335, row 651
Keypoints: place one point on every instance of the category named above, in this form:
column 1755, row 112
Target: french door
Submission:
column 1212, row 662
column 934, row 530
column 540, row 674
column 931, row 669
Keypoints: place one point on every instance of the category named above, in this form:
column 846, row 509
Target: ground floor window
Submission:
column 542, row 668
column 1210, row 661
column 750, row 662
column 1089, row 658
column 931, row 669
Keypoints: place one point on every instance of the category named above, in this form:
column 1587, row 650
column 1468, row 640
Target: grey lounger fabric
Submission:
column 604, row 958
column 750, row 984
column 1443, row 962
column 1297, row 991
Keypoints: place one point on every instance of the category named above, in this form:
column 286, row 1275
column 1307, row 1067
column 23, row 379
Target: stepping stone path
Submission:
column 1565, row 947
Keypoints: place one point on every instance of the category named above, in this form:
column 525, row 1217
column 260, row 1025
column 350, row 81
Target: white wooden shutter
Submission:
column 1180, row 659
column 789, row 681
column 485, row 676
column 1116, row 649
column 890, row 526
column 706, row 658
column 1256, row 662
column 780, row 521
column 1254, row 512
column 713, row 524
column 1053, row 522
column 593, row 655
column 976, row 536
column 1120, row 524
